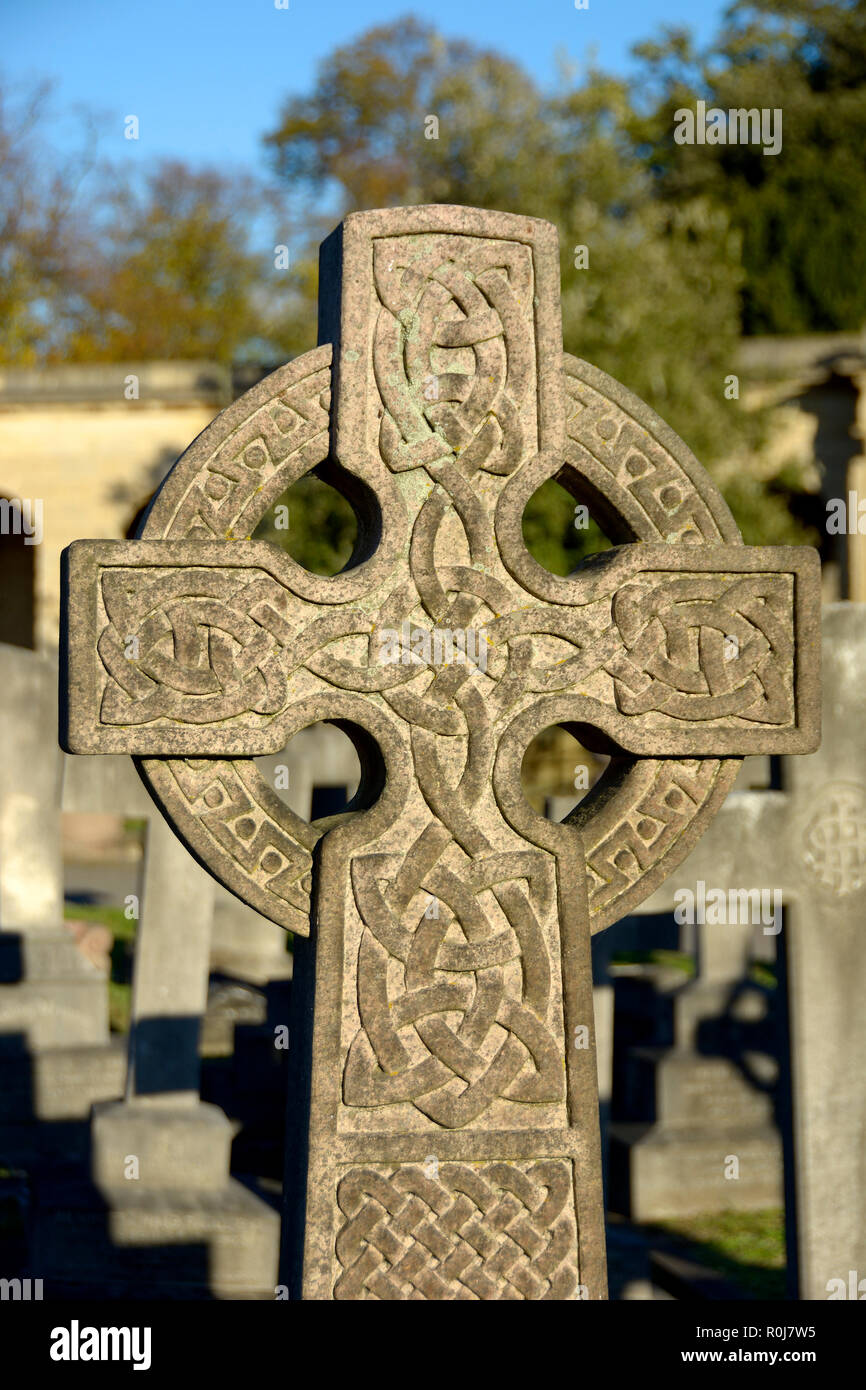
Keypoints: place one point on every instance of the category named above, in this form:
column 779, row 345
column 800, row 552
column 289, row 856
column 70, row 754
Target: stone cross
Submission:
column 444, row 1125
column 56, row 1056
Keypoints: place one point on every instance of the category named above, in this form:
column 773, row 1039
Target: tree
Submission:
column 99, row 264
column 40, row 217
column 167, row 270
column 658, row 304
column 364, row 131
column 796, row 211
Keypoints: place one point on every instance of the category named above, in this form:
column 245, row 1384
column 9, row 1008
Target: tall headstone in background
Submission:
column 819, row 854
column 244, row 944
column 444, row 1131
column 31, row 872
column 56, row 1058
column 856, row 549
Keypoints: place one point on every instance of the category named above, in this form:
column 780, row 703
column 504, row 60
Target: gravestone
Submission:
column 160, row 1212
column 808, row 840
column 443, row 1127
column 244, row 944
column 692, row 1109
column 56, row 1057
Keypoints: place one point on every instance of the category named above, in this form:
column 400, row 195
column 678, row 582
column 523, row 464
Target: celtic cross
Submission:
column 444, row 1128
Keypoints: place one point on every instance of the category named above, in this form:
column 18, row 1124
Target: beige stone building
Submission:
column 82, row 448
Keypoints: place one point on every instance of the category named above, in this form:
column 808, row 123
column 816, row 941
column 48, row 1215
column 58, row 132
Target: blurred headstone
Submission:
column 696, row 1090
column 162, row 1210
column 56, row 1057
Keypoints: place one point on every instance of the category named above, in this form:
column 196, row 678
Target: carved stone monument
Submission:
column 56, row 1055
column 444, row 1120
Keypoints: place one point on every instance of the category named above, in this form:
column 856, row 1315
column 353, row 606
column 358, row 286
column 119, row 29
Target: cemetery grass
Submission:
column 673, row 960
column 747, row 1247
column 123, row 932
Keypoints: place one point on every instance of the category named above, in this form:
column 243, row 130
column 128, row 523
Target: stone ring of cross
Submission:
column 448, row 968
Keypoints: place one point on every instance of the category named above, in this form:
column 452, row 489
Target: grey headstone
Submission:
column 160, row 1157
column 696, row 1128
column 31, row 873
column 56, row 1057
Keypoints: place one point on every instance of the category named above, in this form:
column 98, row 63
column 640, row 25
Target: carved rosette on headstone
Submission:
column 445, row 1127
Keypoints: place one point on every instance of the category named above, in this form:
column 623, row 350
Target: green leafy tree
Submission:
column 98, row 264
column 167, row 270
column 363, row 132
column 314, row 523
column 406, row 116
column 798, row 212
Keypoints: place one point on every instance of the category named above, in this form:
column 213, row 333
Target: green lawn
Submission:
column 748, row 1247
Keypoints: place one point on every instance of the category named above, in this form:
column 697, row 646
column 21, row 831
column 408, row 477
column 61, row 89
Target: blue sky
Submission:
column 207, row 77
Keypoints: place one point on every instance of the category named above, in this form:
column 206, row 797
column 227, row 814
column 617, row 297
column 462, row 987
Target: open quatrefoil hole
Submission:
column 325, row 521
column 324, row 770
column 558, row 772
column 561, row 529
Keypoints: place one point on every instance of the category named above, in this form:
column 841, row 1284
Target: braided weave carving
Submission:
column 486, row 1231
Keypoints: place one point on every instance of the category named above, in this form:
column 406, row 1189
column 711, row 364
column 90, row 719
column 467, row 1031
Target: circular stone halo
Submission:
column 613, row 442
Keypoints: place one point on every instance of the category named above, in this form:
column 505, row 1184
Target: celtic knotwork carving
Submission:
column 451, row 410
column 194, row 645
column 701, row 648
column 452, row 351
column 249, row 830
column 185, row 503
column 834, row 841
column 646, row 485
column 207, row 646
column 648, row 482
column 623, row 849
column 453, row 966
column 252, row 460
column 487, row 1231
column 203, row 645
